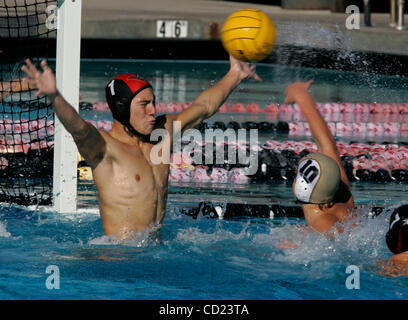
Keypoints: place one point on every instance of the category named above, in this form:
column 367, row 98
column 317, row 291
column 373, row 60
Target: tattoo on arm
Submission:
column 91, row 144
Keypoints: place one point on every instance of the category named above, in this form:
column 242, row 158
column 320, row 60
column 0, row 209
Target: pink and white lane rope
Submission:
column 253, row 107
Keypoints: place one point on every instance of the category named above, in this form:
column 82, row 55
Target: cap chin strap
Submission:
column 130, row 130
column 302, row 202
column 133, row 132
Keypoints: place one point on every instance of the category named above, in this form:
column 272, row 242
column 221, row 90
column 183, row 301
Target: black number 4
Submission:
column 162, row 29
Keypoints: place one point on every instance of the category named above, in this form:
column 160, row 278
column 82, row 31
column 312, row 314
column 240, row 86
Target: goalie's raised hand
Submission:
column 44, row 81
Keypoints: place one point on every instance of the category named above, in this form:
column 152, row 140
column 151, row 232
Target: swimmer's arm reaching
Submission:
column 89, row 141
column 298, row 92
column 210, row 100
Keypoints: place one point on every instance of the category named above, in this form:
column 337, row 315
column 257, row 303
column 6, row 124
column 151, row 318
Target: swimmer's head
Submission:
column 131, row 101
column 317, row 179
column 397, row 235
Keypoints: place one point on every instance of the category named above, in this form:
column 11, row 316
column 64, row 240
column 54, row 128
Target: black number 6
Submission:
column 177, row 30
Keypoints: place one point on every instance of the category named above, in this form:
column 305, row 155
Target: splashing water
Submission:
column 191, row 258
column 204, row 258
column 140, row 239
column 316, row 35
column 309, row 37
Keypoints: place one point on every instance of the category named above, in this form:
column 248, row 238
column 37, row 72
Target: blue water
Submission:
column 205, row 258
column 184, row 80
column 189, row 259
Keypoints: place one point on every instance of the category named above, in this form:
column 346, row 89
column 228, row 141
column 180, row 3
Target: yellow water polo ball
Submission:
column 249, row 35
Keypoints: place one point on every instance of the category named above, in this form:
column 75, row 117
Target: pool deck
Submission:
column 322, row 29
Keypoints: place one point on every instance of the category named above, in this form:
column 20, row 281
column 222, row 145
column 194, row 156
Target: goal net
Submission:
column 37, row 29
column 26, row 121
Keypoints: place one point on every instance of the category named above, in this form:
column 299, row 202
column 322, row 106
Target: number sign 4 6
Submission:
column 171, row 28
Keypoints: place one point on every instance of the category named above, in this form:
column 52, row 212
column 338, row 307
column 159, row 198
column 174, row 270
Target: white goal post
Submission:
column 67, row 74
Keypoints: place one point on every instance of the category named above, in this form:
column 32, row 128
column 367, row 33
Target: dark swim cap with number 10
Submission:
column 120, row 92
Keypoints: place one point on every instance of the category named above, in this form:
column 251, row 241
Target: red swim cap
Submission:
column 119, row 94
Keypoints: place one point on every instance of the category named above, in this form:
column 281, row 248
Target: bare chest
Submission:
column 131, row 172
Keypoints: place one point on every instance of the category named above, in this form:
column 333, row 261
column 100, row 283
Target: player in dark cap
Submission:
column 120, row 92
column 132, row 185
column 397, row 241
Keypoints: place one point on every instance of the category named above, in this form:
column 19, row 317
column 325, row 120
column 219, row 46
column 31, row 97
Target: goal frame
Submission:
column 68, row 81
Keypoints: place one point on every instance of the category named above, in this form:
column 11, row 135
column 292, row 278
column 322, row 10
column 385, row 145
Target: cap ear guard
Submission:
column 118, row 97
column 121, row 110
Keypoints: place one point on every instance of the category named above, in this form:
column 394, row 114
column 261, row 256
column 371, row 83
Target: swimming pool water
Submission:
column 189, row 259
column 205, row 258
column 183, row 80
